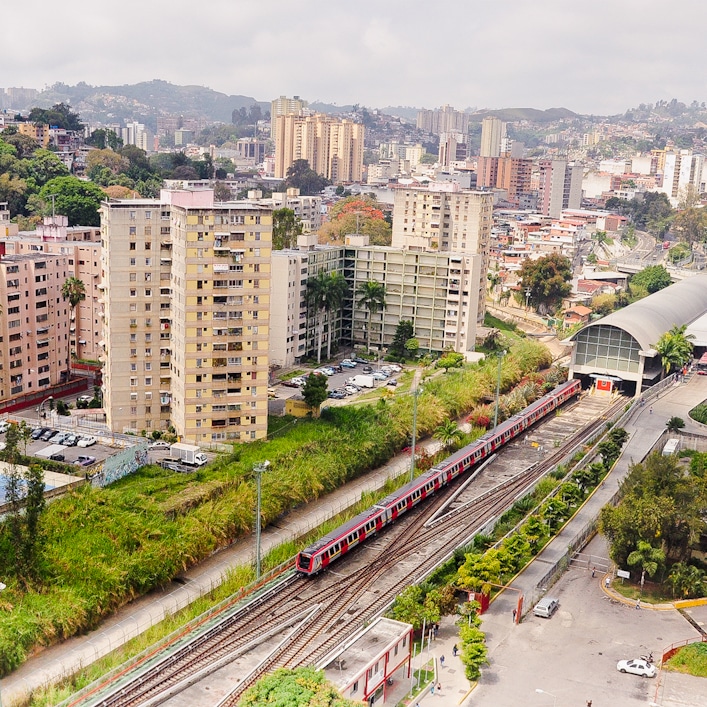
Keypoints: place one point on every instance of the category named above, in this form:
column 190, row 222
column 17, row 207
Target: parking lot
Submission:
column 338, row 380
column 571, row 658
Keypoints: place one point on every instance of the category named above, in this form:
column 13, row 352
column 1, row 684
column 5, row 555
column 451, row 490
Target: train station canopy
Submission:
column 622, row 343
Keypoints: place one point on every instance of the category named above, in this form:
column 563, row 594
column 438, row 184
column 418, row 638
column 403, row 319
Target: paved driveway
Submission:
column 571, row 658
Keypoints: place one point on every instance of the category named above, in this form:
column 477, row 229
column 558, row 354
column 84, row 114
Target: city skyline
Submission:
column 544, row 55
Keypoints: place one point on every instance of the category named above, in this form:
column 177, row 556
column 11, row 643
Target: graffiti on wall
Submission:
column 121, row 465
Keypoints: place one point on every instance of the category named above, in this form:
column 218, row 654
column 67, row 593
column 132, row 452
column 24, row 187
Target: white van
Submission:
column 546, row 607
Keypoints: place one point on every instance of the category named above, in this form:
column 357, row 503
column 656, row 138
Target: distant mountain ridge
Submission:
column 147, row 100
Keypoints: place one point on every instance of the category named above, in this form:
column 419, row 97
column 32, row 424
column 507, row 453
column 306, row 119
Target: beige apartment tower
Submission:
column 333, row 147
column 186, row 306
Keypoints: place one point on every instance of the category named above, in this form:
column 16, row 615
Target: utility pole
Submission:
column 258, row 469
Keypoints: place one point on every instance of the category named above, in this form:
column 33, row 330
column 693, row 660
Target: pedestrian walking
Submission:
column 455, row 650
column 638, row 603
column 607, row 581
column 439, row 687
column 589, row 703
column 594, row 572
column 441, row 660
column 436, row 629
column 432, row 689
column 515, row 613
column 651, row 410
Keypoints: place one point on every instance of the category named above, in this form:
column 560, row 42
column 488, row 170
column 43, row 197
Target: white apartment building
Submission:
column 186, row 307
column 445, row 218
column 438, row 292
column 308, row 209
column 493, row 135
column 682, row 169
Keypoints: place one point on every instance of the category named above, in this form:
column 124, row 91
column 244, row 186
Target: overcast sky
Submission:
column 598, row 56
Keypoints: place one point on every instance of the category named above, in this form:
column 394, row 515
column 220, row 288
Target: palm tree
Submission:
column 74, row 291
column 448, row 433
column 647, row 557
column 337, row 289
column 325, row 293
column 675, row 347
column 371, row 296
column 675, row 424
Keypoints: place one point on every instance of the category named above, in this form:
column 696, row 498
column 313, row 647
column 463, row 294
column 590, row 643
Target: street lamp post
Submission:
column 500, row 355
column 2, row 587
column 258, row 469
column 545, row 692
column 40, row 409
column 527, row 298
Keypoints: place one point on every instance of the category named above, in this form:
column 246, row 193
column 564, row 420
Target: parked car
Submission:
column 71, row 440
column 351, row 389
column 348, row 363
column 546, row 607
column 85, row 460
column 272, row 393
column 289, row 384
column 336, row 395
column 84, row 399
column 298, row 381
column 394, row 367
column 48, row 434
column 58, row 438
column 358, row 359
column 160, row 444
column 392, row 382
column 86, row 441
column 637, row 666
column 368, row 369
column 57, row 457
column 4, row 426
column 325, row 371
column 38, row 432
column 379, row 376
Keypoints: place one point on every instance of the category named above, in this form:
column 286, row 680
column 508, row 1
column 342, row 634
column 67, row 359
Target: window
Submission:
column 133, row 367
column 148, row 306
column 133, row 382
column 148, row 292
column 148, row 277
column 133, row 338
column 133, row 230
column 148, row 215
column 148, row 380
column 133, row 277
column 148, row 366
column 133, row 245
column 148, row 337
column 148, row 245
column 133, row 292
column 132, row 261
column 148, row 261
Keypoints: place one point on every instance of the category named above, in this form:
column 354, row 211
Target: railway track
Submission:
column 338, row 605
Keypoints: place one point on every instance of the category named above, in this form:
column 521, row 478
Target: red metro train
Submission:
column 331, row 547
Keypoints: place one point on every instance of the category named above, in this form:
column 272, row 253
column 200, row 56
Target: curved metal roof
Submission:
column 648, row 319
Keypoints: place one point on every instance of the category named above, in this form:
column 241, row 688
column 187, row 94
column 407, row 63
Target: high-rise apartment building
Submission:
column 284, row 105
column 493, row 135
column 186, row 307
column 452, row 148
column 35, row 322
column 560, row 187
column 507, row 173
column 445, row 219
column 333, row 147
column 443, row 120
column 681, row 170
column 81, row 247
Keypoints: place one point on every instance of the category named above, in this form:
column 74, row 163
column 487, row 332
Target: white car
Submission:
column 637, row 666
column 379, row 376
column 4, row 426
column 393, row 367
column 160, row 444
column 351, row 389
column 298, row 381
column 86, row 441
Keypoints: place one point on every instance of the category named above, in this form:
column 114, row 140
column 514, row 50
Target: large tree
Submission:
column 357, row 214
column 74, row 291
column 285, row 228
column 304, row 178
column 315, row 390
column 76, row 199
column 370, row 296
column 545, row 281
column 59, row 115
column 652, row 279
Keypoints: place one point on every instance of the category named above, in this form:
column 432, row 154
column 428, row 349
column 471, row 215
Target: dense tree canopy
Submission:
column 357, row 214
column 652, row 278
column 301, row 687
column 545, row 281
column 285, row 228
column 301, row 176
column 76, row 199
column 651, row 211
column 59, row 115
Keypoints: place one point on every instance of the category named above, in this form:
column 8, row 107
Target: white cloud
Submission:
column 597, row 57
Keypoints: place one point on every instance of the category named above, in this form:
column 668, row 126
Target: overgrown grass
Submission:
column 699, row 413
column 105, row 547
column 692, row 659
